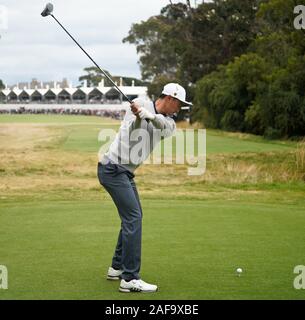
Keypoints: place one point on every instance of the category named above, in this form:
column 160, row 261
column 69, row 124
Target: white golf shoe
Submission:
column 114, row 274
column 137, row 286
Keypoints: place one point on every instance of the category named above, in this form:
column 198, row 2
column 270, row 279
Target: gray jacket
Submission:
column 137, row 138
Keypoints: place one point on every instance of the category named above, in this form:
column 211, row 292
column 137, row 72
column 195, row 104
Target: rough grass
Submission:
column 56, row 158
column 300, row 159
column 49, row 150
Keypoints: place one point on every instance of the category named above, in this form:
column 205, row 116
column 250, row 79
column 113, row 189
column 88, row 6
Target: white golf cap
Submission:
column 176, row 91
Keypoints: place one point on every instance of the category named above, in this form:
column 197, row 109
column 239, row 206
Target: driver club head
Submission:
column 47, row 10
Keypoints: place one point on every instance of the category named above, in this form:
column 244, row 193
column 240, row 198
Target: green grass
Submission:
column 57, row 242
column 221, row 144
column 51, row 119
column 81, row 134
column 62, row 250
column 84, row 139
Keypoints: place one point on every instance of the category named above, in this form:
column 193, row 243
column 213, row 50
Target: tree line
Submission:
column 242, row 61
column 2, row 86
column 93, row 76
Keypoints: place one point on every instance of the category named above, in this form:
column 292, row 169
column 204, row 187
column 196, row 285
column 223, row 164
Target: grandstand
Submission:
column 65, row 99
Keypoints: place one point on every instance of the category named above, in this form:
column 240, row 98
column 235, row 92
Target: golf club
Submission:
column 48, row 12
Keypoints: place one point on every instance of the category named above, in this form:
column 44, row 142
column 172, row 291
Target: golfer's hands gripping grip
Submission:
column 137, row 110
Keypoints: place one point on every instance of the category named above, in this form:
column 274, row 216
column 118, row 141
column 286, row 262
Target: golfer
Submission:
column 152, row 121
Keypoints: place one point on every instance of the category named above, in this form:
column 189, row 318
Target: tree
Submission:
column 94, row 76
column 262, row 91
column 223, row 98
column 184, row 43
column 154, row 43
column 218, row 32
column 2, row 86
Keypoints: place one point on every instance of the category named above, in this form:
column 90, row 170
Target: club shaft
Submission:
column 105, row 74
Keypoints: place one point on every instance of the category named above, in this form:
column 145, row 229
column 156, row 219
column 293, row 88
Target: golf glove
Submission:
column 145, row 114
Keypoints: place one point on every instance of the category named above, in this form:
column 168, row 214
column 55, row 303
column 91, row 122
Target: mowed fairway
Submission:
column 59, row 227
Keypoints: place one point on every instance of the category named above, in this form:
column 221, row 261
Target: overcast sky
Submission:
column 35, row 47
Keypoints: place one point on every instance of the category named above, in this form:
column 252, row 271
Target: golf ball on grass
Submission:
column 239, row 271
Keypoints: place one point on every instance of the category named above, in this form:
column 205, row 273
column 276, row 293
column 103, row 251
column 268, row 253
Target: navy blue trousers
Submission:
column 119, row 183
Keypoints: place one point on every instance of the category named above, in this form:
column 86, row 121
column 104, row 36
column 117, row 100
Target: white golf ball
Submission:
column 239, row 271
